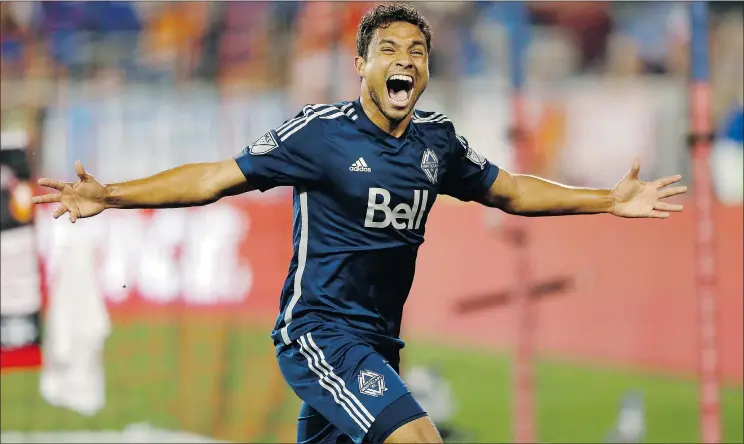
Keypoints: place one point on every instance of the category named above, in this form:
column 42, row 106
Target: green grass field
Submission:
column 220, row 379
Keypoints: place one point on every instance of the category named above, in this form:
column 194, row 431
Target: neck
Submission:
column 395, row 128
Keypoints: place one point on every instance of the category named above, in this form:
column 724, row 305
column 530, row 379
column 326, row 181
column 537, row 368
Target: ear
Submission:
column 360, row 64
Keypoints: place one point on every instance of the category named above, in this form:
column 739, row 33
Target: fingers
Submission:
column 57, row 185
column 674, row 191
column 635, row 168
column 61, row 209
column 80, row 171
column 663, row 206
column 74, row 212
column 47, row 198
column 51, row 183
column 665, row 181
column 658, row 214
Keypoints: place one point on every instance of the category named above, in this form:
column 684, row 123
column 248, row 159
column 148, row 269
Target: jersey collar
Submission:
column 366, row 124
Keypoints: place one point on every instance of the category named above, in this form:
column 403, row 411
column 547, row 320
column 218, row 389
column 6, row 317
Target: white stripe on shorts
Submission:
column 328, row 383
column 329, row 369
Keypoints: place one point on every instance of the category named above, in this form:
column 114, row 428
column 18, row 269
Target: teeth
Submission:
column 402, row 77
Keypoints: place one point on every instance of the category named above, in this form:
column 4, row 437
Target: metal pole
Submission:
column 700, row 138
column 523, row 387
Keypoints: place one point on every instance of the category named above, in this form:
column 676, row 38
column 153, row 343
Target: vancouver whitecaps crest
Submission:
column 430, row 165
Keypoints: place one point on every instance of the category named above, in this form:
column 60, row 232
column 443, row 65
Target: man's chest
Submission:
column 385, row 185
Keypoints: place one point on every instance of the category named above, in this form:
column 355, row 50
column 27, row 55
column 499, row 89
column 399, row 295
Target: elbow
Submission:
column 222, row 179
column 512, row 202
column 208, row 195
column 210, row 189
column 518, row 207
column 507, row 194
column 512, row 209
column 515, row 207
column 520, row 200
column 506, row 204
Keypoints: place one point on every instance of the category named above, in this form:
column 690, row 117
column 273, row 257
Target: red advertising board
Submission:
column 634, row 301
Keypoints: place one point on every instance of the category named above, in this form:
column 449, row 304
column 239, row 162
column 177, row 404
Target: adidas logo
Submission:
column 360, row 165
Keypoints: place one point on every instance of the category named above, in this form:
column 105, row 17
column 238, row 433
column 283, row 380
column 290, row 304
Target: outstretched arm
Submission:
column 281, row 157
column 183, row 186
column 532, row 196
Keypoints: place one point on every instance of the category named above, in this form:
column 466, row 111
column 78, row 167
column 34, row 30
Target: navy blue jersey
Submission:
column 361, row 200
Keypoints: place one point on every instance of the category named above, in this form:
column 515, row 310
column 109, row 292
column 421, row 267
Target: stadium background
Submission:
column 132, row 88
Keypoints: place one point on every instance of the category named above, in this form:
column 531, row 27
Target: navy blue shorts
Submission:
column 349, row 391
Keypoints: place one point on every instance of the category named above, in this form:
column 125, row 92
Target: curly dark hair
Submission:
column 383, row 16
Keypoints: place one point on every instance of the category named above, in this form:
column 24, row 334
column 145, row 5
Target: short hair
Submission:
column 383, row 16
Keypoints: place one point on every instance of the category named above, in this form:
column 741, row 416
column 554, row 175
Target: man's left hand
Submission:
column 632, row 197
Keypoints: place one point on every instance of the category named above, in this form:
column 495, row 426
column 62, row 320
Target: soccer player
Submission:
column 365, row 174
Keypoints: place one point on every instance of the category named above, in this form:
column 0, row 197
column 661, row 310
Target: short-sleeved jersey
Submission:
column 361, row 201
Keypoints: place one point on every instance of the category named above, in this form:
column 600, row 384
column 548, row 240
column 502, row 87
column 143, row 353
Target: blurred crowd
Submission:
column 304, row 50
column 273, row 44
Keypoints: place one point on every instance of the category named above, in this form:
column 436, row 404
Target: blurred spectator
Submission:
column 12, row 40
column 173, row 37
column 323, row 52
column 85, row 35
column 727, row 62
column 589, row 22
column 246, row 44
column 648, row 29
column 623, row 57
column 287, row 54
column 548, row 138
column 552, row 55
column 312, row 53
column 348, row 20
column 727, row 158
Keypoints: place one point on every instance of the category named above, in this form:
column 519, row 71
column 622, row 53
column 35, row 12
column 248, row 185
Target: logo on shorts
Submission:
column 371, row 383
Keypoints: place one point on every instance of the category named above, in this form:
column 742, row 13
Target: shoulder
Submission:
column 433, row 122
column 314, row 119
column 431, row 119
column 435, row 125
column 460, row 145
column 328, row 111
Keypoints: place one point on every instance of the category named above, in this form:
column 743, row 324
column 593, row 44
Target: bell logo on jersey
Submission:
column 402, row 216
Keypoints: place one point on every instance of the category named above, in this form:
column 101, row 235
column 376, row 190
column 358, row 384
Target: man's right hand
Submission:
column 84, row 198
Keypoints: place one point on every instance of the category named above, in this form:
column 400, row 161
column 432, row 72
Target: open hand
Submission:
column 84, row 198
column 633, row 197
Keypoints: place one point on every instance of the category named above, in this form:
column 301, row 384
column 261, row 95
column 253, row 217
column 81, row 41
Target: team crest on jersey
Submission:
column 266, row 143
column 371, row 383
column 430, row 165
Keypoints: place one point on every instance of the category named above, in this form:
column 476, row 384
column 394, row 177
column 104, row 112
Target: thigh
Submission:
column 420, row 430
column 345, row 381
column 312, row 428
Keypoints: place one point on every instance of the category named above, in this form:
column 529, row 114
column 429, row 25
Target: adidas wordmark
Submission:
column 360, row 165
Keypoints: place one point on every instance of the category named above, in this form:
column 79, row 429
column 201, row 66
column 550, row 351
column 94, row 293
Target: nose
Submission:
column 404, row 61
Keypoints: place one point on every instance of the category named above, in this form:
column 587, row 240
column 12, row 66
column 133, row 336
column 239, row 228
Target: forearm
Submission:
column 183, row 186
column 535, row 196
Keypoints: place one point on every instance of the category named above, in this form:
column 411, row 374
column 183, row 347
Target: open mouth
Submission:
column 399, row 89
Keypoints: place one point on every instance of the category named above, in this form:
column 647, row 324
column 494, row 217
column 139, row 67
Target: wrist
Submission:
column 611, row 201
column 110, row 197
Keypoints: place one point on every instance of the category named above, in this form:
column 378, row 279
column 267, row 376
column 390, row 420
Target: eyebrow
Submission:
column 413, row 43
